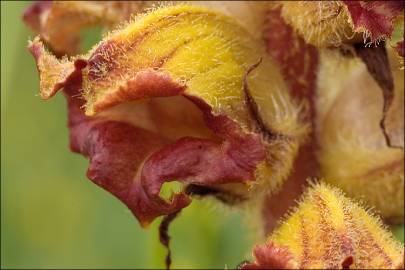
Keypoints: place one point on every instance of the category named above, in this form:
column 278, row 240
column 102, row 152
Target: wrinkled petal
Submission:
column 59, row 22
column 328, row 231
column 375, row 18
column 195, row 99
column 353, row 152
column 117, row 149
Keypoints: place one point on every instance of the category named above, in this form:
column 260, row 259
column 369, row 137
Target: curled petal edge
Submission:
column 131, row 162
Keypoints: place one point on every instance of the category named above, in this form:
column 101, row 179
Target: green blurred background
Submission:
column 53, row 217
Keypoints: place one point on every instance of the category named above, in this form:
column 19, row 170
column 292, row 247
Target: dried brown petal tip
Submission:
column 59, row 22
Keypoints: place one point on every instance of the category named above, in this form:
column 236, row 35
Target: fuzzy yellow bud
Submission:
column 329, row 231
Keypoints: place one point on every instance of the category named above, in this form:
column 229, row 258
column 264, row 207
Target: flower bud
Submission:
column 328, row 231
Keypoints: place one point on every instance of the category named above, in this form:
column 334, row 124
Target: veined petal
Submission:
column 328, row 231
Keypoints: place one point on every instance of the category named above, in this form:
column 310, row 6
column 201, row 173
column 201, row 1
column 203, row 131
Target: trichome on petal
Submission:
column 328, row 231
column 331, row 23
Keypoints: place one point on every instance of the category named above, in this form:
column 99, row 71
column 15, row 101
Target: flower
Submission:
column 183, row 94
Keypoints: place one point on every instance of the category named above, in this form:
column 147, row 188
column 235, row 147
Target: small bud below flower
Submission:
column 328, row 231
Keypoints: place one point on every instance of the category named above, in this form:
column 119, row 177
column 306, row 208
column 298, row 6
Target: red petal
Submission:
column 116, row 150
column 147, row 83
column 202, row 161
column 376, row 17
column 269, row 256
column 133, row 162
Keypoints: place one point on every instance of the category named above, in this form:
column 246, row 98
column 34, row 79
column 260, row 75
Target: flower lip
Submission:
column 134, row 147
column 143, row 111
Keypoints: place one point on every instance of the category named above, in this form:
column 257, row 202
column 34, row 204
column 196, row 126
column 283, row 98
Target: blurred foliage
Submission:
column 53, row 217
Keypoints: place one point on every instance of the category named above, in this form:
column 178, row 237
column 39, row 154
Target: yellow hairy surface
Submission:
column 327, row 230
column 320, row 23
column 353, row 153
column 207, row 52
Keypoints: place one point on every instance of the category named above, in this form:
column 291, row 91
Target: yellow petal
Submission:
column 321, row 23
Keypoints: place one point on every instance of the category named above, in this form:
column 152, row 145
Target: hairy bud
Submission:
column 328, row 231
